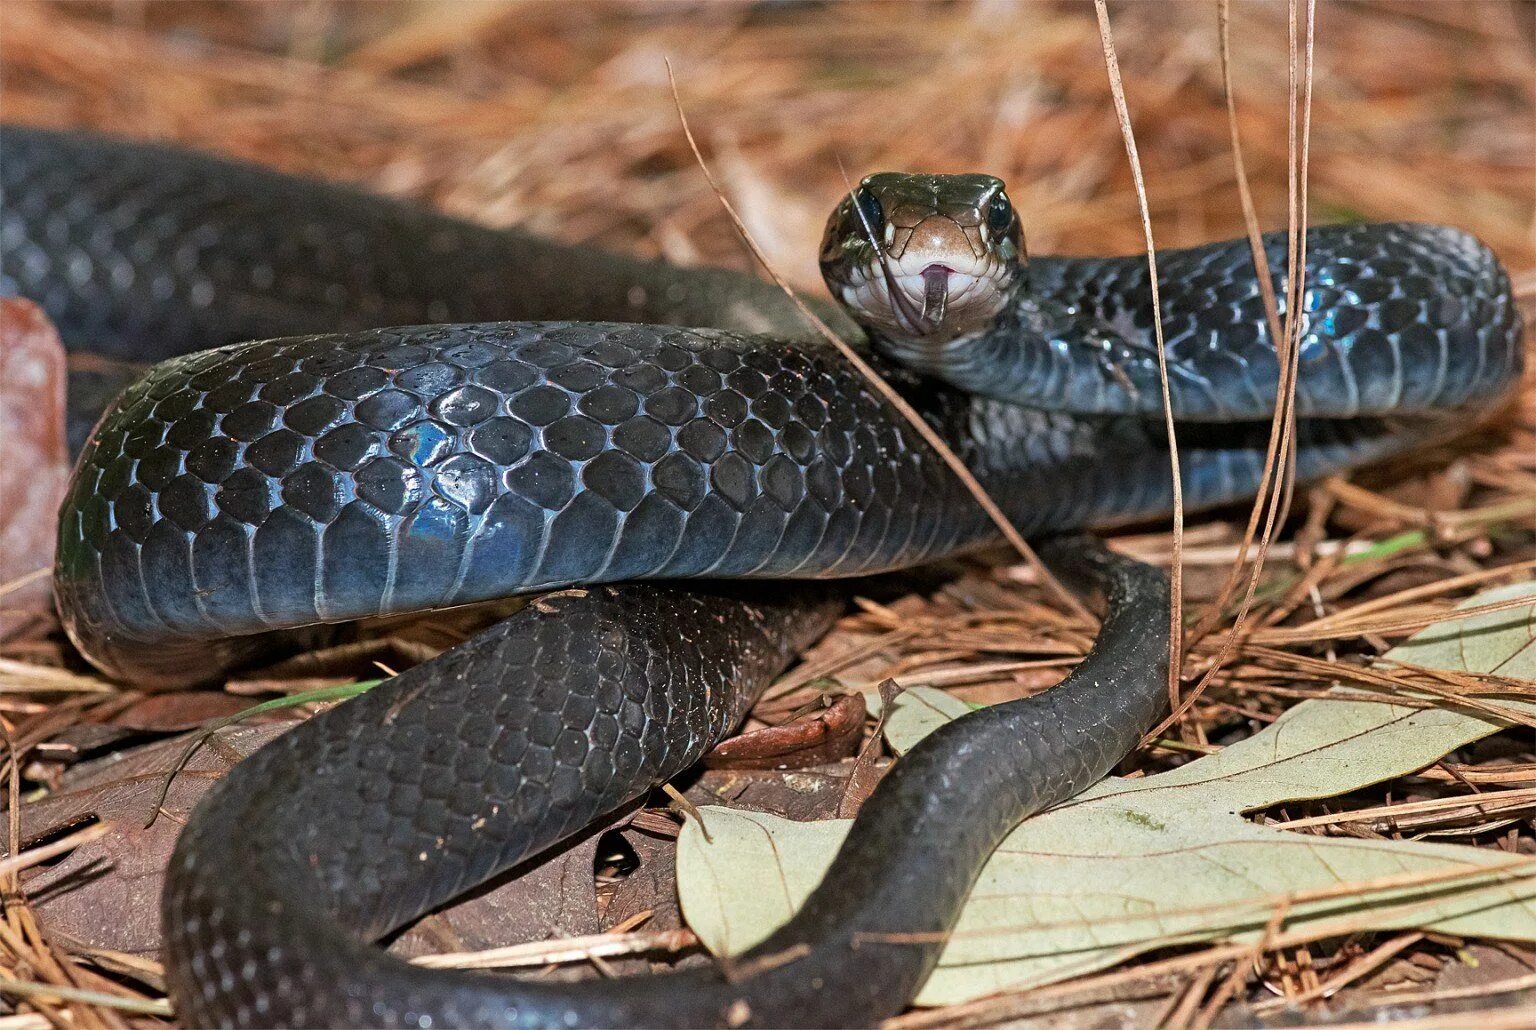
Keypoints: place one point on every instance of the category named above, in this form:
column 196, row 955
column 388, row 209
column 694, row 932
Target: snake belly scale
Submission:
column 676, row 426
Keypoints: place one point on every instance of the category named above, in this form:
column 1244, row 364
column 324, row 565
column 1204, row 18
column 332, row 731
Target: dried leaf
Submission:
column 553, row 896
column 1137, row 864
column 36, row 463
column 178, row 710
column 107, row 893
column 747, row 877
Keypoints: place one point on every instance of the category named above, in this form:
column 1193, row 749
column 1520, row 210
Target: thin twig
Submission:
column 1282, row 451
column 1262, row 272
column 136, row 1006
column 570, row 949
column 12, row 864
column 896, row 400
column 1176, row 571
column 25, row 579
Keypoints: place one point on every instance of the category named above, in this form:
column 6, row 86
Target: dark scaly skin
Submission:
column 146, row 252
column 1396, row 318
column 272, row 485
column 529, row 731
column 141, row 609
column 1399, row 319
column 473, row 717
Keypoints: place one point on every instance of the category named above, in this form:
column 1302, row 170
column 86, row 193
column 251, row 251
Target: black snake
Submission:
column 675, row 424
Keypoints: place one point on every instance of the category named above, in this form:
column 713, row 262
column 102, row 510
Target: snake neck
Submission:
column 1039, row 351
column 1080, row 339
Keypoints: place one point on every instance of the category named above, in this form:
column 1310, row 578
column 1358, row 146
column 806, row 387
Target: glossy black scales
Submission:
column 307, row 479
column 278, row 484
column 563, row 712
column 1397, row 318
column 322, row 479
column 526, row 733
column 145, row 251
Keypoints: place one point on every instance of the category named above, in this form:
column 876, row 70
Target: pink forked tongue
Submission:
column 935, row 293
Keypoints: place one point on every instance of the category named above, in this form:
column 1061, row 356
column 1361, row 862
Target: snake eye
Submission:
column 999, row 214
column 871, row 214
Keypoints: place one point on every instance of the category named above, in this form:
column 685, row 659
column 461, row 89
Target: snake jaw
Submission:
column 933, row 306
column 912, row 319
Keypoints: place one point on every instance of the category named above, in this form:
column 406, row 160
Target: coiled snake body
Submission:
column 307, row 479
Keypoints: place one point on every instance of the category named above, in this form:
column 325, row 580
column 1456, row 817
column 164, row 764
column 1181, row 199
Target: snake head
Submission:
column 924, row 259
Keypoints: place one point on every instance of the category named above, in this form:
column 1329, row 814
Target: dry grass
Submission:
column 558, row 116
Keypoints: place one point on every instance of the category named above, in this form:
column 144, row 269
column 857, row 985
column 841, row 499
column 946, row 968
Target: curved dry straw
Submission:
column 923, row 429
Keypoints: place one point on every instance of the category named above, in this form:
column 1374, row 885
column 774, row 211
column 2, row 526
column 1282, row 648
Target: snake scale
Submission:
column 552, row 415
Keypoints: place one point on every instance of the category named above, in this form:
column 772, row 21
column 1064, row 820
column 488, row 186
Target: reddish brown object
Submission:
column 814, row 739
column 182, row 710
column 106, row 893
column 35, row 465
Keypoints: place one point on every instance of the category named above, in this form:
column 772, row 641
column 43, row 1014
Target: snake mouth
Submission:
column 930, row 287
column 932, row 303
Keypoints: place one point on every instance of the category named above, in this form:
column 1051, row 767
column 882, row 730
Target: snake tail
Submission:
column 523, row 735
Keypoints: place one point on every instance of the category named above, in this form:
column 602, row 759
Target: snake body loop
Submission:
column 279, row 484
column 283, row 483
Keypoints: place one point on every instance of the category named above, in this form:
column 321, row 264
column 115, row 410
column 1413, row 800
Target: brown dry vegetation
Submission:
column 558, row 116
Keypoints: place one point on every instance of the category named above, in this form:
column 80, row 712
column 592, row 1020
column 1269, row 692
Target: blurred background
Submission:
column 558, row 115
